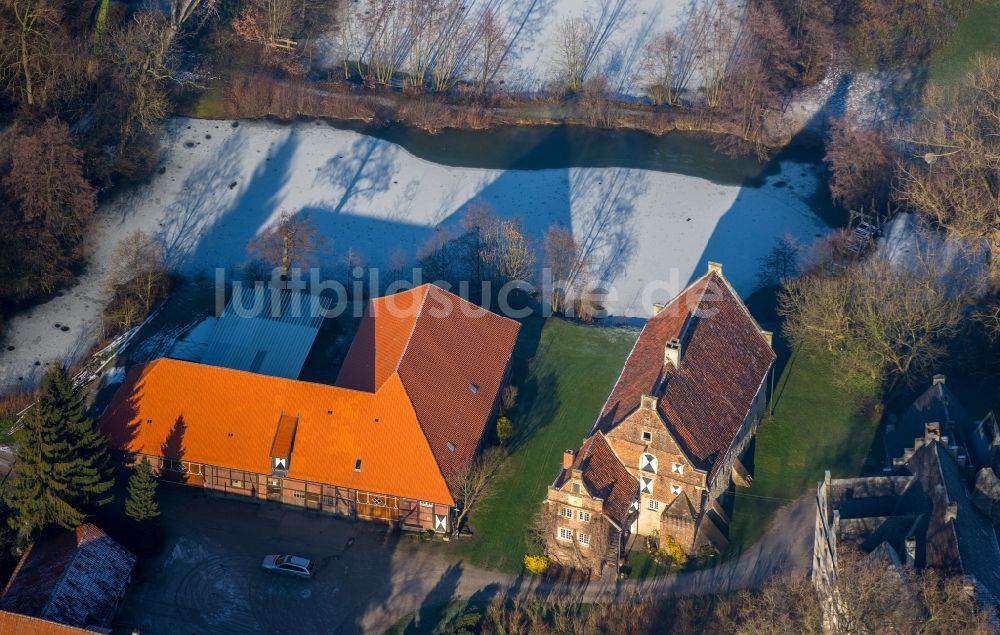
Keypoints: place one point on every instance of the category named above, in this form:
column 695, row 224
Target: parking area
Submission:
column 208, row 579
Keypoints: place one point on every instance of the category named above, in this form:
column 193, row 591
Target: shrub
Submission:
column 671, row 551
column 537, row 565
column 509, row 398
column 504, row 429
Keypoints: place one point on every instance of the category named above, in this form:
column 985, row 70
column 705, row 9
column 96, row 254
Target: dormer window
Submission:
column 678, row 468
column 647, row 436
column 647, row 463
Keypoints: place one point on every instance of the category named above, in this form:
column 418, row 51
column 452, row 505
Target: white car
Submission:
column 289, row 565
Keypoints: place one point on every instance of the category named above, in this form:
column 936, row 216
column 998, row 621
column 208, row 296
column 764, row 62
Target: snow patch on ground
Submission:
column 959, row 263
column 648, row 232
column 621, row 31
column 185, row 552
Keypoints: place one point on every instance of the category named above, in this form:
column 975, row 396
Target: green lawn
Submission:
column 978, row 32
column 564, row 372
column 817, row 426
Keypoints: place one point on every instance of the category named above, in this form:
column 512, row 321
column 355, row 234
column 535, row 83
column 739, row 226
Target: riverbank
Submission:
column 263, row 97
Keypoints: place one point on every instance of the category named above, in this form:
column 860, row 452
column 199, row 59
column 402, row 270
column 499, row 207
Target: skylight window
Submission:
column 451, row 446
column 357, row 465
column 474, row 389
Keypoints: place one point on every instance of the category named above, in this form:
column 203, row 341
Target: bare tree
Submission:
column 955, row 179
column 662, row 66
column 291, row 242
column 861, row 163
column 492, row 44
column 46, row 204
column 883, row 320
column 142, row 54
column 31, row 51
column 424, row 18
column 508, row 251
column 780, row 263
column 569, row 267
column 721, row 48
column 475, row 484
column 437, row 257
column 595, row 102
column 573, row 40
column 138, row 279
column 457, row 39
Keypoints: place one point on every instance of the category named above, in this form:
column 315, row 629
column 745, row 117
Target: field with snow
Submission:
column 648, row 232
column 616, row 37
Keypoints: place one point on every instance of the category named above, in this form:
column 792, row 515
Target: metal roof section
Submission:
column 267, row 331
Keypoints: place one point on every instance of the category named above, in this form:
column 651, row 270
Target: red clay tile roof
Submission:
column 605, row 477
column 25, row 625
column 73, row 577
column 724, row 360
column 396, row 410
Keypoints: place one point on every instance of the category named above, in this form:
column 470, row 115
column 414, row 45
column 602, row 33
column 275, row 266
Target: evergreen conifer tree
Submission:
column 63, row 465
column 141, row 503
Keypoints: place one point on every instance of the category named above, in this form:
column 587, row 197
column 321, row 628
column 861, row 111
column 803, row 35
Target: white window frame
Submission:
column 675, row 489
column 567, row 512
column 583, row 516
column 653, row 505
column 678, row 468
column 565, row 534
column 583, row 539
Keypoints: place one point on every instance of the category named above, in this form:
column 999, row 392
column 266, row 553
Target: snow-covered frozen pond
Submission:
column 220, row 185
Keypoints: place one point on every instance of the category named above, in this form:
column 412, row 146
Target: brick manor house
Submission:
column 418, row 387
column 668, row 441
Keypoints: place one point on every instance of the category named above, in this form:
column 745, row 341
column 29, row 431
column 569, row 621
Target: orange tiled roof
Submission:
column 25, row 625
column 724, row 360
column 377, row 413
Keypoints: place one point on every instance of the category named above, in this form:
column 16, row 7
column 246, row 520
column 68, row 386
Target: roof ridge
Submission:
column 413, row 329
column 635, row 344
column 696, row 307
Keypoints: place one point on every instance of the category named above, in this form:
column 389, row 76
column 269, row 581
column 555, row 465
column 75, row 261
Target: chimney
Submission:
column 715, row 266
column 647, row 402
column 568, row 456
column 657, row 308
column 951, row 513
column 938, row 379
column 672, row 353
column 911, row 550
